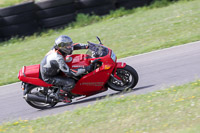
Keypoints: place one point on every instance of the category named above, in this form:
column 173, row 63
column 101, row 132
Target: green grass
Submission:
column 173, row 110
column 136, row 31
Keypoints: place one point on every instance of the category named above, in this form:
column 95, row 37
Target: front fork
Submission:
column 116, row 79
column 118, row 65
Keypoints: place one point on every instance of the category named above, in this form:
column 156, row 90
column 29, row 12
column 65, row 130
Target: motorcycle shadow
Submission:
column 93, row 99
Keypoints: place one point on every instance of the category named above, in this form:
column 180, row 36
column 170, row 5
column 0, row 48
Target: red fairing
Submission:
column 95, row 81
column 30, row 74
column 77, row 60
column 120, row 65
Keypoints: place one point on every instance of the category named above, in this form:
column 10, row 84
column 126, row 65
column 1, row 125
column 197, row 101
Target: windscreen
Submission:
column 97, row 50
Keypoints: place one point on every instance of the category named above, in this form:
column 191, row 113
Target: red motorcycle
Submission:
column 107, row 73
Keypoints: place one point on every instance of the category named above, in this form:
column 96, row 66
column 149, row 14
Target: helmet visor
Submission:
column 66, row 49
column 68, row 44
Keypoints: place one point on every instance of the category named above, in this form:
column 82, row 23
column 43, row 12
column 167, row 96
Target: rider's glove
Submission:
column 89, row 68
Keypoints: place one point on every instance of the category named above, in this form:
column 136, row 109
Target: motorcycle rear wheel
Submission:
column 129, row 78
column 33, row 90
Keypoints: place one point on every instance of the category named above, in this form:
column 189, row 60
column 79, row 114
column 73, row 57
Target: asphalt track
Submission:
column 157, row 70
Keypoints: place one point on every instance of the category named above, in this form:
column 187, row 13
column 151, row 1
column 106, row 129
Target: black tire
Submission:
column 122, row 73
column 17, row 19
column 82, row 4
column 52, row 3
column 56, row 21
column 2, row 22
column 19, row 29
column 56, row 11
column 1, row 33
column 37, row 105
column 1, row 39
column 17, row 9
column 100, row 10
column 129, row 4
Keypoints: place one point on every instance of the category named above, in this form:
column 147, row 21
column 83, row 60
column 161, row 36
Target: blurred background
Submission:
column 24, row 17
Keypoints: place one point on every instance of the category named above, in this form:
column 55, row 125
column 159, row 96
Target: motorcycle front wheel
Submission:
column 129, row 79
column 36, row 91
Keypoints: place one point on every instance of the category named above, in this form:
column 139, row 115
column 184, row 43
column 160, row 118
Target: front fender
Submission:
column 120, row 65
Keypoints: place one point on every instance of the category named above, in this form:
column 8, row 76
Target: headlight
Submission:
column 113, row 56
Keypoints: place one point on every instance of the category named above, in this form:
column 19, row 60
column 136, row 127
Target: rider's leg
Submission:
column 67, row 84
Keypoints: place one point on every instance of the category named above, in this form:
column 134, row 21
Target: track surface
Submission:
column 157, row 70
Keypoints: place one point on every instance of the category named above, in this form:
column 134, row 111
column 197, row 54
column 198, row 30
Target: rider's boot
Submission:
column 62, row 96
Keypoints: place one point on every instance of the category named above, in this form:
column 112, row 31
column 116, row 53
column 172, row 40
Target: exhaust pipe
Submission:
column 43, row 99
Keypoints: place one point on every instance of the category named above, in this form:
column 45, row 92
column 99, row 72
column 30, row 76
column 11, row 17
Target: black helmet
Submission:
column 64, row 44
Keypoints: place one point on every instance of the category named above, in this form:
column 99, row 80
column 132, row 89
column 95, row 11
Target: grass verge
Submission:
column 168, row 111
column 137, row 31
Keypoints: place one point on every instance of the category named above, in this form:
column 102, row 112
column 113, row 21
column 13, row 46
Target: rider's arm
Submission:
column 65, row 68
column 78, row 46
column 77, row 72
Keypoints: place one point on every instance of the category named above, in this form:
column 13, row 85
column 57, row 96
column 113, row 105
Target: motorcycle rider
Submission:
column 54, row 62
